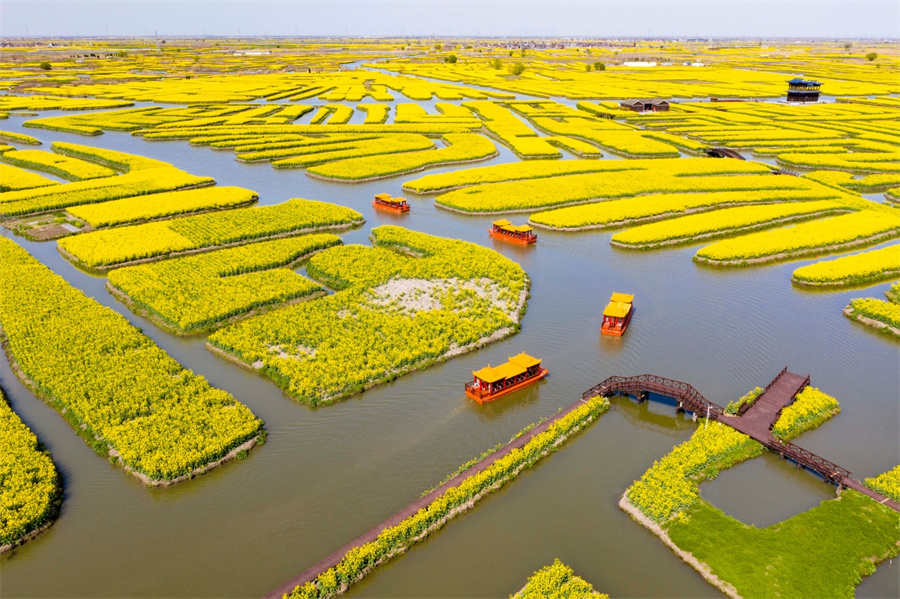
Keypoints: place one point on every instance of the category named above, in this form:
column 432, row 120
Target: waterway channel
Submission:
column 326, row 475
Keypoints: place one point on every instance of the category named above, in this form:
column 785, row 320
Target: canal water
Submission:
column 327, row 475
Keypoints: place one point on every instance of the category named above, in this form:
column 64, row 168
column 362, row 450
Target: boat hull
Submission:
column 496, row 235
column 493, row 396
column 614, row 332
column 397, row 209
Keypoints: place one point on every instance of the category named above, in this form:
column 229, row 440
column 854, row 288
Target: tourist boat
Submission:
column 617, row 314
column 386, row 202
column 503, row 229
column 489, row 383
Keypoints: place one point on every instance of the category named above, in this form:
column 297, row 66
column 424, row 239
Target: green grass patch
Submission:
column 824, row 552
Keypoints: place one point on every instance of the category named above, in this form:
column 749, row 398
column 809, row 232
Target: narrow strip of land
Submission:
column 332, row 560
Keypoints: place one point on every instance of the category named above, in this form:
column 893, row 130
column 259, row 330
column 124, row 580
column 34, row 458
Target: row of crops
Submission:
column 330, row 147
column 29, row 482
column 740, row 200
column 410, row 299
column 137, row 406
column 878, row 313
column 125, row 395
column 559, row 581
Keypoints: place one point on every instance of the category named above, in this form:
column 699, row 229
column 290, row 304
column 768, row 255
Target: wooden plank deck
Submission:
column 765, row 410
column 858, row 486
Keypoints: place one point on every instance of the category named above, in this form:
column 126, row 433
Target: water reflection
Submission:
column 745, row 491
column 660, row 419
column 517, row 400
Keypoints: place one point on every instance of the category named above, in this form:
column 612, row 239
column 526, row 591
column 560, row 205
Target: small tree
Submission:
column 439, row 46
column 871, row 56
column 847, row 46
column 510, row 52
column 45, row 66
column 522, row 53
column 599, row 66
column 516, row 68
column 496, row 63
column 451, row 58
column 587, row 67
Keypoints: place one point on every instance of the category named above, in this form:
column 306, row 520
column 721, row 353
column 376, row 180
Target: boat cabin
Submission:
column 617, row 314
column 503, row 229
column 801, row 90
column 385, row 201
column 489, row 383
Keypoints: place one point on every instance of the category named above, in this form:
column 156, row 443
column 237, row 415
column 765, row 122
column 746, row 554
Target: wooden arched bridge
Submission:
column 639, row 386
column 755, row 420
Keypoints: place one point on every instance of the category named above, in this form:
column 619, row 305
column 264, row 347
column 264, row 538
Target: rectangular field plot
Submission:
column 194, row 293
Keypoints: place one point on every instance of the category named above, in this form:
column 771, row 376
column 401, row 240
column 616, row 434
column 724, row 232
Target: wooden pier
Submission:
column 755, row 421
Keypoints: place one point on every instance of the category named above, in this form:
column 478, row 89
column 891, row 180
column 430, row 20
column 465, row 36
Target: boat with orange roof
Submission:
column 386, row 202
column 503, row 229
column 617, row 314
column 489, row 383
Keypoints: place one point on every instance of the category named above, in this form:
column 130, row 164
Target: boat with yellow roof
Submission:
column 489, row 383
column 617, row 314
column 503, row 229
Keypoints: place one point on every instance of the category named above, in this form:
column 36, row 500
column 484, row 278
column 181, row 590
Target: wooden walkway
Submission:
column 779, row 394
column 755, row 421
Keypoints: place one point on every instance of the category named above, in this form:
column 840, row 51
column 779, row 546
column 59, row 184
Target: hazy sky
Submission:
column 669, row 18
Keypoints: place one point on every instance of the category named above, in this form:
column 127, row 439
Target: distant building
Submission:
column 801, row 90
column 645, row 105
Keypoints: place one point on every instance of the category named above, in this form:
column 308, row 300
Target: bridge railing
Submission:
column 656, row 384
column 775, row 380
column 827, row 469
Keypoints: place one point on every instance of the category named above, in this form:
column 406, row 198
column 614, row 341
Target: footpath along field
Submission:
column 472, row 483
